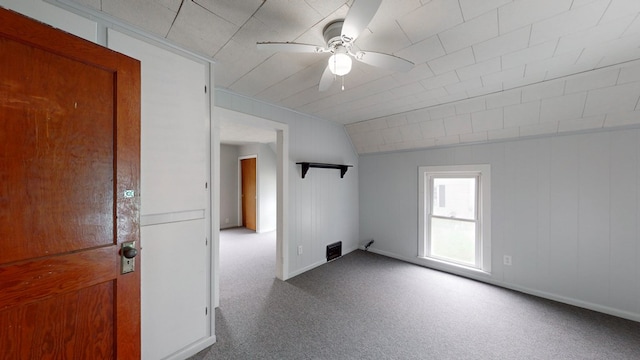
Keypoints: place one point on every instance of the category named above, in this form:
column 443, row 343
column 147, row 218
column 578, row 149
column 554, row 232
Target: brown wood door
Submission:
column 249, row 193
column 69, row 148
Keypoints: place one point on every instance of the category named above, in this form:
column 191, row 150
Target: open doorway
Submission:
column 245, row 124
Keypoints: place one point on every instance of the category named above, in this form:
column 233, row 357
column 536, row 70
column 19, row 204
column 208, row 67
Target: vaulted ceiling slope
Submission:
column 485, row 70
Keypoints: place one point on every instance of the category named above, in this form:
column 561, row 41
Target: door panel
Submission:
column 249, row 193
column 69, row 148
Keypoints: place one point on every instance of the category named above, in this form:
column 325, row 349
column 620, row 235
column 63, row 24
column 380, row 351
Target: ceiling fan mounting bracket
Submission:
column 333, row 37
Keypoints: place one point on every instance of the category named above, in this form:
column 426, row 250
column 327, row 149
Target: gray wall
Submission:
column 228, row 186
column 565, row 208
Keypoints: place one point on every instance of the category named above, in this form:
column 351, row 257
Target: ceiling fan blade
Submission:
column 290, row 47
column 326, row 80
column 359, row 16
column 385, row 61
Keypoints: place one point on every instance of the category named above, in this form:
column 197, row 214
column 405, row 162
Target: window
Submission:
column 455, row 215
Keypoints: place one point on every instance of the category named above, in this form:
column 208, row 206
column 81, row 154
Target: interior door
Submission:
column 69, row 184
column 248, row 170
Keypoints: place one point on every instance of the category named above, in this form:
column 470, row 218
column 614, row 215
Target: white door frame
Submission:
column 282, row 185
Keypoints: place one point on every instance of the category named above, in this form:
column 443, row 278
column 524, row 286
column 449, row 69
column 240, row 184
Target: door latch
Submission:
column 128, row 252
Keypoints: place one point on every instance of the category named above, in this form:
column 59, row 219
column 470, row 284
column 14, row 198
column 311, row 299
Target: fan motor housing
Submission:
column 333, row 33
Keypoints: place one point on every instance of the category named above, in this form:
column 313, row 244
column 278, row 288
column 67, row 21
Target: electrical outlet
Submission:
column 507, row 260
column 299, row 249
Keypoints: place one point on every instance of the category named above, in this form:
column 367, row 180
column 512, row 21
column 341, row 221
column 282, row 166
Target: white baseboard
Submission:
column 192, row 349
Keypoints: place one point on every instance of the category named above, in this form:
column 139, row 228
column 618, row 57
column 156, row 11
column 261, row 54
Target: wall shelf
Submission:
column 306, row 165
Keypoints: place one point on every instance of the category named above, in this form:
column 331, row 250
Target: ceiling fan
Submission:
column 340, row 36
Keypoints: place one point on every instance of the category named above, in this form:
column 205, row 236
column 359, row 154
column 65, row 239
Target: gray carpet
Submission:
column 367, row 306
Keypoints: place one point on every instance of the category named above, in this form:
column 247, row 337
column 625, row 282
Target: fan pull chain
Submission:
column 342, row 77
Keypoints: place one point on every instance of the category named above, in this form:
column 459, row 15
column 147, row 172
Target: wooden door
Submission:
column 249, row 193
column 69, row 150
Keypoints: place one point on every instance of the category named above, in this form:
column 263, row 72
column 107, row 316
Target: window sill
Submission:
column 454, row 268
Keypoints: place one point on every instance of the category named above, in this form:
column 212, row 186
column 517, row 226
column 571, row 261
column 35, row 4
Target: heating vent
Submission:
column 334, row 250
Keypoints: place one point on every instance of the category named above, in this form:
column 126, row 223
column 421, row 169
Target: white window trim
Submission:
column 484, row 215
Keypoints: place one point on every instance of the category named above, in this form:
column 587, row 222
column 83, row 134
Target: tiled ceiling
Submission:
column 484, row 69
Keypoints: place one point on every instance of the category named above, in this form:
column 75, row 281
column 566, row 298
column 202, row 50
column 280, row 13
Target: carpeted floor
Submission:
column 367, row 306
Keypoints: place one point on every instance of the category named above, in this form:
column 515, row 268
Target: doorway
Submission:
column 282, row 188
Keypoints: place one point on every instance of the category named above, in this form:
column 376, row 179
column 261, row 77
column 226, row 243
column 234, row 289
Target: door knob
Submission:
column 129, row 252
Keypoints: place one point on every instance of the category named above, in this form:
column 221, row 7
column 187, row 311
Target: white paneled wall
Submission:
column 176, row 310
column 323, row 208
column 566, row 209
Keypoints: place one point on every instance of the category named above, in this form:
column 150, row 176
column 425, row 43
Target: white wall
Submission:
column 266, row 184
column 565, row 208
column 228, row 186
column 323, row 208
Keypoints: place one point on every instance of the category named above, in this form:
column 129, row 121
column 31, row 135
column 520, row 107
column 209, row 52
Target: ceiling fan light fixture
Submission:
column 340, row 64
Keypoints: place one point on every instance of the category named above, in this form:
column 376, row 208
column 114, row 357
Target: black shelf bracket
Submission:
column 306, row 165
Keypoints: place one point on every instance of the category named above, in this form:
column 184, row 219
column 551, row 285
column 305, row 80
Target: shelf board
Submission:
column 306, row 165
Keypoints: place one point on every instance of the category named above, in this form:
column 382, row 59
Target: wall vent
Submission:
column 334, row 250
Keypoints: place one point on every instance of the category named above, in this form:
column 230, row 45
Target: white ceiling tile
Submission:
column 408, row 89
column 419, row 72
column 522, row 114
column 388, row 39
column 563, row 107
column 473, row 8
column 423, row 51
column 290, row 18
column 477, row 70
column 471, row 105
column 485, row 90
column 543, row 90
column 458, row 124
column 595, row 35
column 200, row 30
column 487, row 120
column 452, row 61
column 470, row 32
column 620, row 50
column 556, row 66
column 443, row 111
column 539, row 129
column 592, row 80
column 580, row 124
column 391, row 136
column 630, row 72
column 522, row 13
column 503, row 44
column 613, row 99
column 577, row 19
column 432, row 128
column 155, row 17
column 614, row 119
column 474, row 137
column 503, row 99
column 500, row 134
column 531, row 54
column 620, row 9
column 411, row 132
column 440, row 80
column 432, row 18
column 396, row 120
column 237, row 12
column 447, row 140
column 461, row 88
column 418, row 116
column 324, row 7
